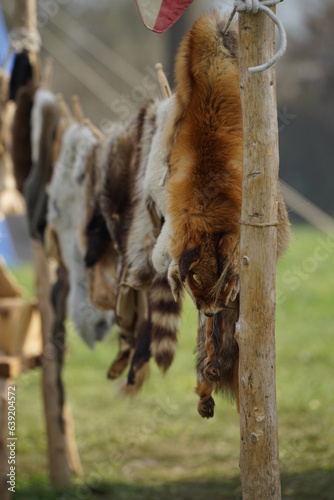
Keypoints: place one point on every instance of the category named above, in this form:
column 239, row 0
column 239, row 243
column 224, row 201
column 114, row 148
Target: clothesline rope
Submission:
column 255, row 6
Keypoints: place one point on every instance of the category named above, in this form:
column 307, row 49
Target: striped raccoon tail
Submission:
column 166, row 320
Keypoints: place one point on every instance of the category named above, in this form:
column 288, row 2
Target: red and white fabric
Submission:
column 160, row 15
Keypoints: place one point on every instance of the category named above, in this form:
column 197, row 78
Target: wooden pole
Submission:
column 58, row 445
column 59, row 466
column 255, row 333
column 25, row 16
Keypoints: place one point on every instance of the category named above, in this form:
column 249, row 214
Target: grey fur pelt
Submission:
column 65, row 211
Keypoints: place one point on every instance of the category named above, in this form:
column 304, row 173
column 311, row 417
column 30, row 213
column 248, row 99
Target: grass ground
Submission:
column 157, row 447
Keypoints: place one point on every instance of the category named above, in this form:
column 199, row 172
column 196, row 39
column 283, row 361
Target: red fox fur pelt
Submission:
column 205, row 161
column 205, row 139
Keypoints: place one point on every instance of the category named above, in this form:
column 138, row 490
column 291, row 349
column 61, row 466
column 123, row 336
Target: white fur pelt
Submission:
column 65, row 211
column 161, row 257
column 42, row 98
column 155, row 180
column 147, row 250
column 141, row 237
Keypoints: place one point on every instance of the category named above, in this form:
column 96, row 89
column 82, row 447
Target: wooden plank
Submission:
column 10, row 366
column 9, row 286
column 15, row 317
column 259, row 460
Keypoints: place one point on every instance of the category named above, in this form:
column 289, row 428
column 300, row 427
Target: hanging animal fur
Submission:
column 45, row 116
column 21, row 145
column 204, row 196
column 65, row 211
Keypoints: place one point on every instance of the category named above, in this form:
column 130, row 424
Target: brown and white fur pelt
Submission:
column 116, row 161
column 132, row 307
column 101, row 257
column 204, row 193
column 45, row 116
column 65, row 209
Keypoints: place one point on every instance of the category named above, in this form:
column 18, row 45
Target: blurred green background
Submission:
column 156, row 446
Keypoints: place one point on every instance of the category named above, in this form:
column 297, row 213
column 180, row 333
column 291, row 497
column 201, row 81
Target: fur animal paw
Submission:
column 206, row 407
column 213, row 371
column 232, row 288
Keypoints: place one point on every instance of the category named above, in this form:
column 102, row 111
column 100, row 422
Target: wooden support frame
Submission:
column 63, row 453
column 255, row 333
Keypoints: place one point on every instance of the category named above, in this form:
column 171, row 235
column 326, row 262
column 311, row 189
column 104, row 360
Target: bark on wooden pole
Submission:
column 255, row 333
column 60, row 473
column 25, row 14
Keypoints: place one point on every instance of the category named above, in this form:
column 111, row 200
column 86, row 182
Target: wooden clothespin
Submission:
column 77, row 109
column 95, row 131
column 47, row 74
column 163, row 82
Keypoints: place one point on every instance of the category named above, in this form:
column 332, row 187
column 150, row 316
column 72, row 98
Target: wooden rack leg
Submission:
column 60, row 473
column 72, row 449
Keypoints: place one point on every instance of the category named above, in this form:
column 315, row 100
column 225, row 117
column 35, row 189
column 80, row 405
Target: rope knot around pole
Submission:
column 247, row 6
column 253, row 7
column 24, row 39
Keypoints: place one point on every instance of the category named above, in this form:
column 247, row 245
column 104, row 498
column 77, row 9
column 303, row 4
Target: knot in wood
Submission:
column 255, row 438
column 245, row 261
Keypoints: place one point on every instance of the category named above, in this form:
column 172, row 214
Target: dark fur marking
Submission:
column 163, row 333
column 98, row 238
column 142, row 352
column 166, row 307
column 186, row 259
column 231, row 43
column 22, row 74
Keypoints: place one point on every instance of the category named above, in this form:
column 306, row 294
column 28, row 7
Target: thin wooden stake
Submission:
column 95, row 131
column 163, row 82
column 255, row 333
column 47, row 74
column 77, row 109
